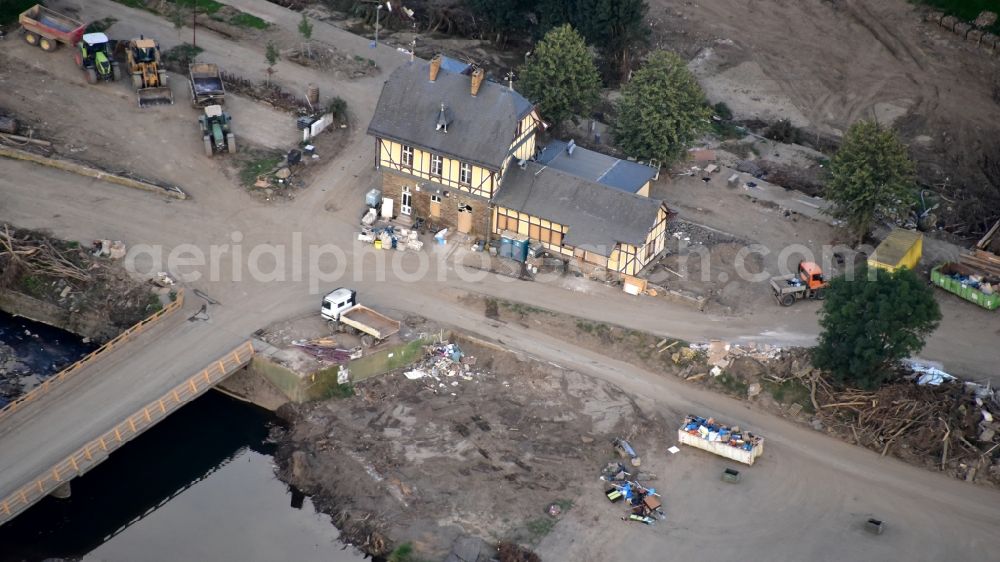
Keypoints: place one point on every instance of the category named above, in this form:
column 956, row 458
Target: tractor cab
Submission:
column 145, row 51
column 811, row 275
column 95, row 57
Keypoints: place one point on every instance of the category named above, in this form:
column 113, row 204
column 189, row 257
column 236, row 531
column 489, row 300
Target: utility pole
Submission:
column 413, row 49
column 378, row 12
column 194, row 24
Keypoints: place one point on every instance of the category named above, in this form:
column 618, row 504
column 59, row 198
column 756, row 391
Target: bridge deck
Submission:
column 104, row 394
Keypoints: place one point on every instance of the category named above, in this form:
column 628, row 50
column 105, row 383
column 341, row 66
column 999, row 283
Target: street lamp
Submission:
column 378, row 12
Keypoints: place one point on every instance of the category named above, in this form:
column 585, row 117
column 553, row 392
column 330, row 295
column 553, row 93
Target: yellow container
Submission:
column 378, row 244
column 902, row 248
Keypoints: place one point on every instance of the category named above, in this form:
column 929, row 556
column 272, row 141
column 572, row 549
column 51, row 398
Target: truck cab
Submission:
column 811, row 274
column 338, row 301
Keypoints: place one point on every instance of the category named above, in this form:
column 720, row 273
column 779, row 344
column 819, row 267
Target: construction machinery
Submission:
column 96, row 57
column 807, row 283
column 149, row 78
column 206, row 85
column 215, row 131
column 47, row 28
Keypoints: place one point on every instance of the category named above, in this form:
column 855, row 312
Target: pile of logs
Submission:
column 949, row 426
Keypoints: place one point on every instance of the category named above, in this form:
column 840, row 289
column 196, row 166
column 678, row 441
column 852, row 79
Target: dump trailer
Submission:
column 726, row 441
column 206, row 85
column 216, row 131
column 149, row 78
column 974, row 285
column 807, row 283
column 95, row 57
column 902, row 248
column 47, row 28
column 342, row 306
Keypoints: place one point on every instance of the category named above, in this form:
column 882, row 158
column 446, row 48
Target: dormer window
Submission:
column 407, row 156
column 437, row 165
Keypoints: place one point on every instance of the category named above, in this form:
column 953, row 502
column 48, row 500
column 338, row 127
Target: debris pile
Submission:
column 327, row 350
column 444, row 361
column 928, row 417
column 713, row 432
column 269, row 93
column 388, row 237
column 644, row 504
column 36, row 256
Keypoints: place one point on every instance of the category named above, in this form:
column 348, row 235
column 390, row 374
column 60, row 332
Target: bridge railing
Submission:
column 98, row 449
column 121, row 338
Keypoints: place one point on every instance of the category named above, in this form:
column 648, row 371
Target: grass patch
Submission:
column 967, row 10
column 100, row 25
column 727, row 130
column 732, row 384
column 790, row 392
column 250, row 169
column 10, row 9
column 564, row 505
column 345, row 390
column 204, row 6
column 521, row 308
column 540, row 527
column 743, row 150
column 137, row 4
column 182, row 55
column 33, row 286
column 251, row 21
column 153, row 303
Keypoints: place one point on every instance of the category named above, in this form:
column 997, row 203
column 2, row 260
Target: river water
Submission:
column 198, row 486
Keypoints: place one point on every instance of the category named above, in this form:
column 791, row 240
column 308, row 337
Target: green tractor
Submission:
column 215, row 131
column 96, row 59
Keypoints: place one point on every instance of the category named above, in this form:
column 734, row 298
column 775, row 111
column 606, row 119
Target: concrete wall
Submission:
column 93, row 325
column 321, row 384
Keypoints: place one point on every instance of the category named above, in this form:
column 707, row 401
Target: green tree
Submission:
column 272, row 55
column 871, row 322
column 661, row 110
column 870, row 175
column 616, row 28
column 561, row 77
column 306, row 31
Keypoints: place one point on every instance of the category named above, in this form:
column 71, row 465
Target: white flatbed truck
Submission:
column 342, row 306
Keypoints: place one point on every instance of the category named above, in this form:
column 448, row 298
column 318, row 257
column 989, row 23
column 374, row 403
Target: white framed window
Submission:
column 437, row 165
column 407, row 155
column 435, row 198
column 465, row 173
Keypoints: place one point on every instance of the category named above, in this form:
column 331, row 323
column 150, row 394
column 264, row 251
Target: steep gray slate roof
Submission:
column 594, row 166
column 598, row 216
column 481, row 128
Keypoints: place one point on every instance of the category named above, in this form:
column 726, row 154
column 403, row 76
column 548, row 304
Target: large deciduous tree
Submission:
column 872, row 321
column 661, row 110
column 560, row 76
column 871, row 175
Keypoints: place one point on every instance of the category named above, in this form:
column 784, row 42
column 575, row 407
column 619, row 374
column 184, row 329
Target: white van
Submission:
column 338, row 301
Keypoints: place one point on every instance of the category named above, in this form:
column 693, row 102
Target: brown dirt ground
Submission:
column 824, row 65
column 428, row 465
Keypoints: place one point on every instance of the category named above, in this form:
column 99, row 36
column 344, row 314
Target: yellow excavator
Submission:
column 149, row 78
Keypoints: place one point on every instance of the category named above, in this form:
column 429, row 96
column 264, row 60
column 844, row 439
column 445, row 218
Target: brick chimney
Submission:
column 435, row 67
column 477, row 80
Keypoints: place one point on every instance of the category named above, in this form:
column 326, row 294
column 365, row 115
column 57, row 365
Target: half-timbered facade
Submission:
column 461, row 151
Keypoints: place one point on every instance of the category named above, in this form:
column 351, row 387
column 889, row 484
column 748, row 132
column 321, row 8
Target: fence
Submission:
column 121, row 338
column 98, row 449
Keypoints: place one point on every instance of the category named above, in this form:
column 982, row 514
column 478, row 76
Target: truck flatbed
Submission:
column 370, row 322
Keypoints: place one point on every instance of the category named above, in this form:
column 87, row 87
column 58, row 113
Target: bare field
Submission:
column 824, row 65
